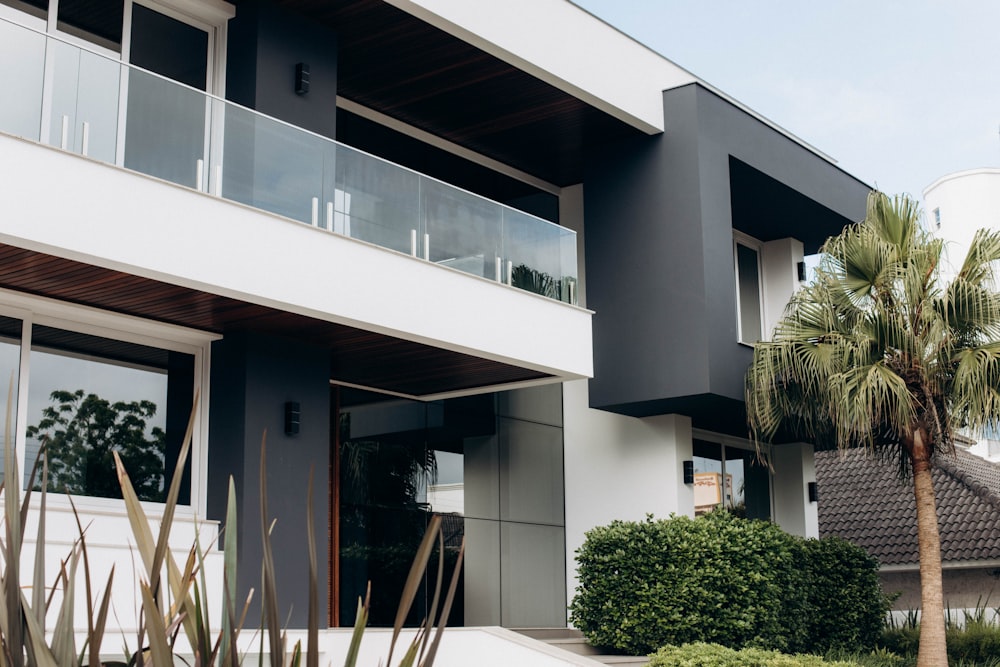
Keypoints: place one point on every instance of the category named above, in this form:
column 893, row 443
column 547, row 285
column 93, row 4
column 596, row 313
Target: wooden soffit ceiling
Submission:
column 400, row 66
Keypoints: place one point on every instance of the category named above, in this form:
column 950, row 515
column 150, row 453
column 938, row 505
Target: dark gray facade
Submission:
column 660, row 214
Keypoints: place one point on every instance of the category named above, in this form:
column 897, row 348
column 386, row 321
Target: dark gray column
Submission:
column 253, row 376
column 265, row 44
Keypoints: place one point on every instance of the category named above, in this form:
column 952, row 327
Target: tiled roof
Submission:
column 862, row 500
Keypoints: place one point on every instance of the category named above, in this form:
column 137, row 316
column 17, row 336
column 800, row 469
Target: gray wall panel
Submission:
column 531, row 472
column 533, row 582
column 482, row 572
column 536, row 404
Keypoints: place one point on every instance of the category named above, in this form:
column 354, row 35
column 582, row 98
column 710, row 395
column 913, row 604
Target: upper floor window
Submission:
column 937, row 218
column 749, row 301
column 182, row 41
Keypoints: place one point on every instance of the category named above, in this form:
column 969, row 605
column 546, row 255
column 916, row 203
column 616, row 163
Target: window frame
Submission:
column 750, row 243
column 33, row 310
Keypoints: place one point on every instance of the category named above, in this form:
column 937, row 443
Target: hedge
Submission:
column 725, row 580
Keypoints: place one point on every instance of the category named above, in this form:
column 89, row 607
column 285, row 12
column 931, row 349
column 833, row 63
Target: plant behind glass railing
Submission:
column 181, row 604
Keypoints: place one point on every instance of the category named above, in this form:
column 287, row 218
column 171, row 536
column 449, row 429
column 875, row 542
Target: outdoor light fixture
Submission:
column 689, row 472
column 301, row 78
column 293, row 415
column 813, row 492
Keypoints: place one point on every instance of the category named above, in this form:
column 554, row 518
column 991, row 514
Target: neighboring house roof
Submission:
column 862, row 500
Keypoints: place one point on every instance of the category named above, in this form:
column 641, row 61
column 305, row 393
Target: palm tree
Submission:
column 881, row 352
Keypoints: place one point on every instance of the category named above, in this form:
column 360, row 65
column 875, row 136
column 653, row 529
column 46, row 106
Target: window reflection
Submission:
column 91, row 397
column 731, row 478
column 400, row 462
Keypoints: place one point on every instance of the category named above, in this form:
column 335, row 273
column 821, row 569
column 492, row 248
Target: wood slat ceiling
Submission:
column 357, row 357
column 405, row 68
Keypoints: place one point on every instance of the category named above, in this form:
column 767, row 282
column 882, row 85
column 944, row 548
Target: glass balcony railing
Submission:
column 67, row 96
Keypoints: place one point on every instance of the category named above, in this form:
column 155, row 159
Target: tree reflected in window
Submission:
column 82, row 431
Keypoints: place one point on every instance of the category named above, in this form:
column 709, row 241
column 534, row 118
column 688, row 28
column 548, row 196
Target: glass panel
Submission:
column 400, row 462
column 446, row 494
column 384, row 477
column 165, row 130
column 273, row 166
column 749, row 293
column 536, row 250
column 750, row 496
column 22, row 68
column 374, row 200
column 85, row 90
column 464, row 229
column 10, row 362
column 91, row 396
column 97, row 21
column 708, row 484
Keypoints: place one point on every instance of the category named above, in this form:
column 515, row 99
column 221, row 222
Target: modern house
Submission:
column 960, row 203
column 492, row 259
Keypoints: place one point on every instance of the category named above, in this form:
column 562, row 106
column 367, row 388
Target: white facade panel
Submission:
column 619, row 467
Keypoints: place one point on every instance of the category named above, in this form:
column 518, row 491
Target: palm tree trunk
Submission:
column 933, row 651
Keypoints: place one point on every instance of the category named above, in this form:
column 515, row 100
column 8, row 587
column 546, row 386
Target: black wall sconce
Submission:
column 689, row 472
column 293, row 416
column 813, row 492
column 301, row 78
column 801, row 268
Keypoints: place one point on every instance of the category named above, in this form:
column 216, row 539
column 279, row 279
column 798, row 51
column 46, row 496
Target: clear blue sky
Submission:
column 899, row 92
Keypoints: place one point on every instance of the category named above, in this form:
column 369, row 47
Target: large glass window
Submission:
column 748, row 292
column 398, row 465
column 91, row 397
column 86, row 397
column 731, row 478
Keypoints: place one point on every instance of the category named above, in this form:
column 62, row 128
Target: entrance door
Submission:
column 167, row 124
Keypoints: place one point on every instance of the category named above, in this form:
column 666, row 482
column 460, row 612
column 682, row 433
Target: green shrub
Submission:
column 878, row 658
column 716, row 578
column 726, row 580
column 977, row 644
column 847, row 607
column 713, row 655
